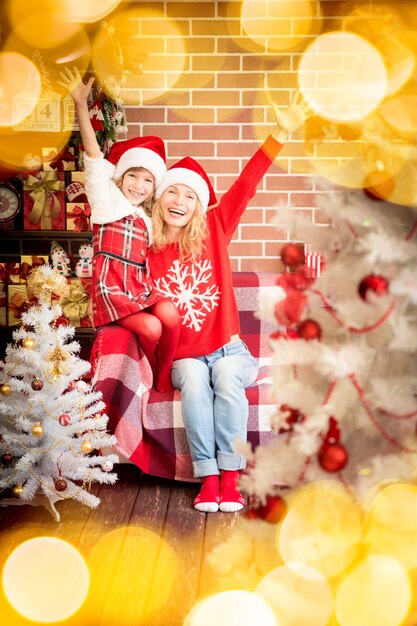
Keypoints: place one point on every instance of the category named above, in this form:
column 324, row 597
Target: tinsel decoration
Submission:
column 44, row 281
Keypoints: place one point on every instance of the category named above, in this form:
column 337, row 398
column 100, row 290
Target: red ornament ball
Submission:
column 309, row 329
column 6, row 459
column 273, row 509
column 64, row 419
column 333, row 457
column 378, row 185
column 37, row 384
column 376, row 283
column 292, row 254
column 61, row 484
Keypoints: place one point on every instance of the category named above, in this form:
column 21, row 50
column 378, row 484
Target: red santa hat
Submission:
column 147, row 152
column 189, row 172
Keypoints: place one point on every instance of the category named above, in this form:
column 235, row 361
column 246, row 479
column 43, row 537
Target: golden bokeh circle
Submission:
column 20, row 88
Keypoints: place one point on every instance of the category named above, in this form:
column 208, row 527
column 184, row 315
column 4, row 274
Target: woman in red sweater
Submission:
column 190, row 265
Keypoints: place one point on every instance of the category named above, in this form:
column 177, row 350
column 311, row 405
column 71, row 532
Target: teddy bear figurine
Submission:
column 60, row 259
column 84, row 267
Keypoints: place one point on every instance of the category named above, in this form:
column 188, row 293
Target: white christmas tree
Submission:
column 344, row 350
column 52, row 423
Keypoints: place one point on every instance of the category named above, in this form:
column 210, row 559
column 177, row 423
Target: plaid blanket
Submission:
column 147, row 424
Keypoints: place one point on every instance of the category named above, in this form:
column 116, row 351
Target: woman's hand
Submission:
column 288, row 120
column 72, row 82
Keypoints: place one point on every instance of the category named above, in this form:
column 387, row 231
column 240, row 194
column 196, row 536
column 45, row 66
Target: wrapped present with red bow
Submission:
column 3, row 309
column 28, row 263
column 59, row 161
column 76, row 304
column 44, row 200
column 9, row 272
column 18, row 303
column 78, row 217
column 75, row 189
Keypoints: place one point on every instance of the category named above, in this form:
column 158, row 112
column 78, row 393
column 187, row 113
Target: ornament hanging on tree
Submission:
column 292, row 254
column 17, row 491
column 309, row 329
column 29, row 343
column 37, row 429
column 36, row 384
column 271, row 511
column 332, row 456
column 376, row 283
column 64, row 419
column 5, row 389
column 6, row 459
column 61, row 484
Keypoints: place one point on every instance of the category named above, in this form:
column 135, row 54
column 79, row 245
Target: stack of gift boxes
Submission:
column 53, row 199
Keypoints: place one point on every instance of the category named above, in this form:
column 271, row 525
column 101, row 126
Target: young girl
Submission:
column 123, row 290
column 190, row 264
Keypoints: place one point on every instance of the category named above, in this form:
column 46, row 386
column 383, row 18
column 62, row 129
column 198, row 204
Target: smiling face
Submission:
column 137, row 185
column 178, row 204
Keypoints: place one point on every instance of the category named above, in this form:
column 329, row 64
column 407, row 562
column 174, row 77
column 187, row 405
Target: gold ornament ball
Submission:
column 5, row 389
column 17, row 491
column 87, row 446
column 37, row 429
column 29, row 343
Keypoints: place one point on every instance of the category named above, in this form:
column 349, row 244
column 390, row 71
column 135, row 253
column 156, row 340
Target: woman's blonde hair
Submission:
column 148, row 204
column 190, row 242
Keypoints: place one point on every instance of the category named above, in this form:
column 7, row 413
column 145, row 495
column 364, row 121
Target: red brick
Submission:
column 266, row 199
column 191, row 149
column 236, row 149
column 168, row 132
column 200, row 45
column 241, row 80
column 175, row 98
column 223, row 183
column 239, row 248
column 191, row 114
column 162, row 28
column 195, row 80
column 261, row 265
column 215, row 132
column 229, row 9
column 191, row 9
column 235, row 265
column 239, row 116
column 215, row 97
column 321, row 217
column 144, row 114
column 289, row 182
column 303, row 199
column 252, row 216
column 280, row 80
column 260, row 233
column 226, row 44
column 223, row 166
column 202, row 28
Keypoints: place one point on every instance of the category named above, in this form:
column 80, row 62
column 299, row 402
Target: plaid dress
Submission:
column 121, row 280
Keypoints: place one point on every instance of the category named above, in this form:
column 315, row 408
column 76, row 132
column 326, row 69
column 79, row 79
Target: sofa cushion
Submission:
column 148, row 425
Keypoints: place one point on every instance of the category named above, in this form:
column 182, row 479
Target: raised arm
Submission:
column 72, row 82
column 289, row 119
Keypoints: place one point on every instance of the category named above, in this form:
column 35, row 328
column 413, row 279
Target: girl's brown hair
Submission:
column 190, row 242
column 148, row 204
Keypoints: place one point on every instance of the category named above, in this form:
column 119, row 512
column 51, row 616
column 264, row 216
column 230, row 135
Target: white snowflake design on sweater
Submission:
column 186, row 286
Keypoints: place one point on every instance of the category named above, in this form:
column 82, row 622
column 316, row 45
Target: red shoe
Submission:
column 231, row 500
column 208, row 499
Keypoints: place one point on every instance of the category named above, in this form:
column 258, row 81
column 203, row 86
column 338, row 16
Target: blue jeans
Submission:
column 214, row 405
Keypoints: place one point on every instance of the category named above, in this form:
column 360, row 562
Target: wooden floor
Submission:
column 146, row 547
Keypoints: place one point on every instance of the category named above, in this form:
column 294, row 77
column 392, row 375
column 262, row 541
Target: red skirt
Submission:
column 120, row 288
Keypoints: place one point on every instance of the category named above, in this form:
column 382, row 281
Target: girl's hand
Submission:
column 71, row 81
column 288, row 120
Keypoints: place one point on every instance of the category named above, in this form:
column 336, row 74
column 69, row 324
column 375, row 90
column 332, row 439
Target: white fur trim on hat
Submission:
column 184, row 176
column 141, row 157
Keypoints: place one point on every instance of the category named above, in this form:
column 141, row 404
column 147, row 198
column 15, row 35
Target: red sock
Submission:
column 208, row 498
column 231, row 499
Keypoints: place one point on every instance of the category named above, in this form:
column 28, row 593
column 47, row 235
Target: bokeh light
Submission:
column 401, row 113
column 85, row 10
column 234, row 608
column 24, row 149
column 45, row 30
column 143, row 51
column 342, row 76
column 133, row 571
column 279, row 25
column 20, row 87
column 390, row 524
column 322, row 528
column 377, row 591
column 298, row 594
column 45, row 579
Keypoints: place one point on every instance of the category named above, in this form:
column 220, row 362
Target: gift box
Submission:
column 76, row 304
column 28, row 263
column 3, row 301
column 18, row 303
column 9, row 272
column 59, row 162
column 78, row 217
column 44, row 200
column 75, row 190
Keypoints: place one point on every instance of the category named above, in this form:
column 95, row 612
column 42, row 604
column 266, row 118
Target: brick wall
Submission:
column 217, row 112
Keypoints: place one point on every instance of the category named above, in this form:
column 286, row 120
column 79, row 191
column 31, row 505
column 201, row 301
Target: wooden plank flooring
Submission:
column 145, row 545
